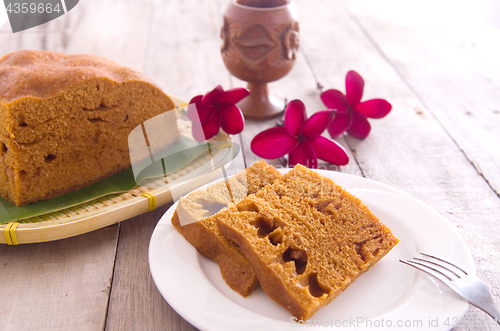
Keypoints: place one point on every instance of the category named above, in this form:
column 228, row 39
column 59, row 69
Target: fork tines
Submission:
column 433, row 265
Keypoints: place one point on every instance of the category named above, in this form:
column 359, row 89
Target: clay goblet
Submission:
column 260, row 43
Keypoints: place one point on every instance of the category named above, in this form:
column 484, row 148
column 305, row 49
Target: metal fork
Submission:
column 466, row 285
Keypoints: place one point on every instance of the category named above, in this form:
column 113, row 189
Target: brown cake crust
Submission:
column 37, row 74
column 306, row 238
column 204, row 235
column 65, row 121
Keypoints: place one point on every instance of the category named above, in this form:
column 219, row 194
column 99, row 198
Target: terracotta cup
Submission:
column 260, row 43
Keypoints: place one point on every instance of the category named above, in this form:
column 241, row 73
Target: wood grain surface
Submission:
column 440, row 143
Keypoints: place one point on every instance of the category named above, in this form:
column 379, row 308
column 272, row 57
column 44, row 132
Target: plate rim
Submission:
column 165, row 221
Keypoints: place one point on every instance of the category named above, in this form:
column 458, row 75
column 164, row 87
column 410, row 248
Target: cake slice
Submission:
column 306, row 239
column 195, row 219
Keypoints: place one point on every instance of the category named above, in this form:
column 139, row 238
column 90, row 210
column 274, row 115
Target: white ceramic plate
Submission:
column 390, row 296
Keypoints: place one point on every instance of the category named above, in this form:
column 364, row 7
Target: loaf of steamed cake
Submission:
column 65, row 120
column 306, row 239
column 195, row 219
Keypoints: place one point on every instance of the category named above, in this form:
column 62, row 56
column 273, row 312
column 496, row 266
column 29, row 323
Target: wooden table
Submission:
column 440, row 143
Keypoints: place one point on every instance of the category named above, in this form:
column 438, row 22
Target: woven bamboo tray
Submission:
column 115, row 208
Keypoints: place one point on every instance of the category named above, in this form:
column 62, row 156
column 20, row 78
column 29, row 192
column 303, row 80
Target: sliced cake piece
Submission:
column 195, row 220
column 306, row 238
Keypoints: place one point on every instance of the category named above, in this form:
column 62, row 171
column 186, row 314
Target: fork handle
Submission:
column 492, row 311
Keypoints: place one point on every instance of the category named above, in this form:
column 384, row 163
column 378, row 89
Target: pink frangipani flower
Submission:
column 351, row 112
column 217, row 109
column 300, row 137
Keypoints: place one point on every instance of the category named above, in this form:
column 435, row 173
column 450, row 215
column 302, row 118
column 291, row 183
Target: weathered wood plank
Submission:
column 57, row 285
column 183, row 55
column 135, row 303
column 458, row 84
column 409, row 149
column 117, row 30
column 113, row 29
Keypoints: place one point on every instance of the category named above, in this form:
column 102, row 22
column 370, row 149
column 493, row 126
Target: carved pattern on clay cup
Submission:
column 260, row 43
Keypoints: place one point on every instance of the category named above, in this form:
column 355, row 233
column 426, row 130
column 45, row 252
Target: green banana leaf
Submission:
column 172, row 159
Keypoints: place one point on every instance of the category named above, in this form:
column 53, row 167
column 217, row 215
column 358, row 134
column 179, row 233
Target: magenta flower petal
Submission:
column 340, row 123
column 232, row 120
column 196, row 112
column 295, row 117
column 196, row 100
column 304, row 154
column 375, row 108
column 329, row 150
column 273, row 143
column 211, row 97
column 210, row 127
column 334, row 99
column 360, row 127
column 354, row 86
column 301, row 138
column 352, row 115
column 217, row 109
column 234, row 95
column 318, row 122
